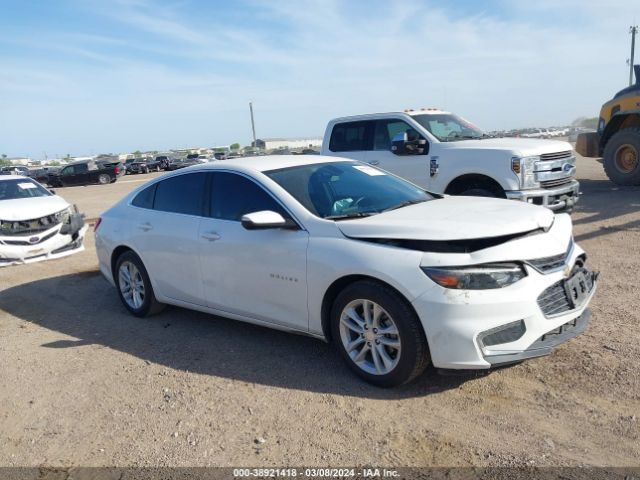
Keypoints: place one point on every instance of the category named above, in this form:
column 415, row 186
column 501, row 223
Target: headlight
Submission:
column 64, row 215
column 525, row 168
column 479, row 277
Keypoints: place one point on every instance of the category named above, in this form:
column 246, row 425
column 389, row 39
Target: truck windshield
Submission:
column 342, row 190
column 21, row 188
column 447, row 127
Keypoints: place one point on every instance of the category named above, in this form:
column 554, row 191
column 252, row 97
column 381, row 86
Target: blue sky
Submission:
column 91, row 76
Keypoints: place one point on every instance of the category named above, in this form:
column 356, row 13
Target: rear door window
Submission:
column 181, row 194
column 352, row 136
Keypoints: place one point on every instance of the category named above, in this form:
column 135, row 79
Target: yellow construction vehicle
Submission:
column 617, row 139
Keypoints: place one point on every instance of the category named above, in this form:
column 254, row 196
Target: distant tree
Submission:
column 54, row 163
column 137, row 152
column 218, row 150
column 4, row 161
column 234, row 146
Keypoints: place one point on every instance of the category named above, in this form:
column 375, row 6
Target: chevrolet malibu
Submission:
column 396, row 277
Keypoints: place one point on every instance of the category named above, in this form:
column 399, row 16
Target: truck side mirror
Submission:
column 401, row 145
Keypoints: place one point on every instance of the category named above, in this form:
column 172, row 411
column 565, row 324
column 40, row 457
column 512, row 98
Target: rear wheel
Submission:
column 104, row 179
column 134, row 286
column 622, row 157
column 378, row 334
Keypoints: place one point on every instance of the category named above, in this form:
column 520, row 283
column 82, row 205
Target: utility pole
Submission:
column 632, row 30
column 253, row 125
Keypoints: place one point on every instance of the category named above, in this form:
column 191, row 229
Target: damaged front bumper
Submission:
column 60, row 240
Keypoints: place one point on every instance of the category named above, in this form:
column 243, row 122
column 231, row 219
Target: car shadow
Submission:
column 85, row 307
column 604, row 201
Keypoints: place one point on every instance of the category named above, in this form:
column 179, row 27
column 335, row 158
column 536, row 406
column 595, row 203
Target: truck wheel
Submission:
column 621, row 158
column 478, row 192
column 104, row 179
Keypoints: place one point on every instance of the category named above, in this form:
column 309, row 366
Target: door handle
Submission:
column 374, row 162
column 145, row 226
column 211, row 236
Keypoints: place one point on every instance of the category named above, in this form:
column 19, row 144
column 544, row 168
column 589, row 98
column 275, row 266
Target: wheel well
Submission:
column 114, row 258
column 474, row 180
column 334, row 290
column 617, row 123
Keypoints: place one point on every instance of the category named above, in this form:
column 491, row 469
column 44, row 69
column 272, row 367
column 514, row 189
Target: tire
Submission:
column 139, row 305
column 621, row 158
column 478, row 192
column 410, row 355
column 104, row 179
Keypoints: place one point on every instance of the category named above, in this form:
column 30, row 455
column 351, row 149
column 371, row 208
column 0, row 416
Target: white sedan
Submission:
column 395, row 276
column 36, row 224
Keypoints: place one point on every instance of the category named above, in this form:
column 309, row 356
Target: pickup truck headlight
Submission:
column 524, row 167
column 479, row 277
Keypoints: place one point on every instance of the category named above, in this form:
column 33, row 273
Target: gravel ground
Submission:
column 84, row 383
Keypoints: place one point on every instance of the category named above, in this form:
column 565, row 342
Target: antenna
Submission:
column 632, row 30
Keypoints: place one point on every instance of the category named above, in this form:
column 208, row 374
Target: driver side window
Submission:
column 233, row 196
column 387, row 129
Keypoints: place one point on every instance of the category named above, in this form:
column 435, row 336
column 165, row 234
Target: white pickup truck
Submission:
column 444, row 153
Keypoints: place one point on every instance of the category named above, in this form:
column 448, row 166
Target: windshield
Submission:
column 447, row 127
column 346, row 189
column 21, row 188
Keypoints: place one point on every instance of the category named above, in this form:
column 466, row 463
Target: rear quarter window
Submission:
column 144, row 199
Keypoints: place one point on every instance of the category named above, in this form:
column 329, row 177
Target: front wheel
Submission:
column 378, row 334
column 134, row 286
column 478, row 192
column 104, row 179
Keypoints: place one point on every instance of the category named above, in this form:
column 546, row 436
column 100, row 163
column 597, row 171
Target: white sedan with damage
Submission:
column 36, row 224
column 396, row 277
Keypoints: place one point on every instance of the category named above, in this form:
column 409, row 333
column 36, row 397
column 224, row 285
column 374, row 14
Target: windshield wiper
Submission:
column 403, row 204
column 350, row 215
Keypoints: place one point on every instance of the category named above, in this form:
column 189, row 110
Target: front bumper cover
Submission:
column 57, row 242
column 559, row 198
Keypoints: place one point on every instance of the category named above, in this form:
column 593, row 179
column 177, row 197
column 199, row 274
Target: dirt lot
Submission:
column 84, row 383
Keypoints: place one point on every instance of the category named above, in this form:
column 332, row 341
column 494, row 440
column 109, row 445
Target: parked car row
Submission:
column 358, row 246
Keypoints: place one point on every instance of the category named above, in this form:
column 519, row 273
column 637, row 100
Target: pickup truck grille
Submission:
column 556, row 155
column 555, row 183
column 28, row 227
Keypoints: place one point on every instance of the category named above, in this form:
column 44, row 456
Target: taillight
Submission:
column 117, row 170
column 97, row 224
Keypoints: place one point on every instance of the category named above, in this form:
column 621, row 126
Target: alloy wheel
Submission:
column 131, row 285
column 370, row 337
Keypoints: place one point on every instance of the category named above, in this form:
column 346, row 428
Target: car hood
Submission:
column 451, row 218
column 31, row 208
column 518, row 146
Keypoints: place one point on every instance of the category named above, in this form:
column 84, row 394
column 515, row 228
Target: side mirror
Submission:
column 401, row 145
column 266, row 219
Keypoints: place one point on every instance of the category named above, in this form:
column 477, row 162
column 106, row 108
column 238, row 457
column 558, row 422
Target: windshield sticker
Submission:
column 369, row 170
column 27, row 185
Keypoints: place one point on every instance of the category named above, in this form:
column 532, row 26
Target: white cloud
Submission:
column 183, row 77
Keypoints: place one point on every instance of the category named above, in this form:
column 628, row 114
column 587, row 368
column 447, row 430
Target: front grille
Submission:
column 555, row 155
column 555, row 299
column 27, row 243
column 553, row 263
column 555, row 183
column 28, row 227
